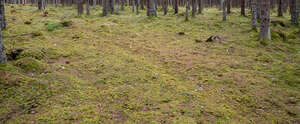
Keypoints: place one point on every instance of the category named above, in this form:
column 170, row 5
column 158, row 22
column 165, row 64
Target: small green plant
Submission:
column 53, row 26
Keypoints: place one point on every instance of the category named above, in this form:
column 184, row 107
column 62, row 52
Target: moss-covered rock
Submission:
column 29, row 64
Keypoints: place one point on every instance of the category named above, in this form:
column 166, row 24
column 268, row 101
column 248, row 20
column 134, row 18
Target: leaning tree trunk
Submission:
column 223, row 9
column 253, row 13
column 265, row 20
column 280, row 2
column 243, row 7
column 2, row 15
column 151, row 11
column 2, row 50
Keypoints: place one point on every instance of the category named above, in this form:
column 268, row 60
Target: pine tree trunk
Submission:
column 223, row 9
column 187, row 7
column 280, row 8
column 265, row 20
column 137, row 2
column 176, row 6
column 295, row 11
column 254, row 14
column 200, row 6
column 2, row 15
column 39, row 2
column 2, row 50
column 165, row 6
column 80, row 7
column 88, row 7
column 104, row 7
column 194, row 8
column 151, row 11
column 243, row 7
column 258, row 9
column 228, row 3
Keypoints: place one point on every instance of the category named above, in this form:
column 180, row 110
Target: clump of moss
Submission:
column 27, row 22
column 183, row 120
column 66, row 23
column 29, row 64
column 53, row 26
column 36, row 34
column 33, row 53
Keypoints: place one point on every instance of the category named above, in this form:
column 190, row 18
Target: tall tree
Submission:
column 176, row 2
column 80, row 7
column 165, row 6
column 295, row 8
column 265, row 32
column 151, row 10
column 39, row 3
column 194, row 8
column 223, row 9
column 2, row 50
column 187, row 7
column 253, row 13
column 228, row 3
column 243, row 8
column 200, row 6
column 88, row 7
column 2, row 15
column 280, row 2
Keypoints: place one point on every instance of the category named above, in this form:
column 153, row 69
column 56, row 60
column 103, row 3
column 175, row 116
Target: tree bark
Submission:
column 2, row 50
column 88, row 7
column 194, row 8
column 200, row 6
column 80, row 7
column 295, row 11
column 265, row 20
column 176, row 6
column 243, row 7
column 2, row 15
column 253, row 13
column 228, row 3
column 280, row 2
column 187, row 7
column 151, row 11
column 223, row 9
column 165, row 6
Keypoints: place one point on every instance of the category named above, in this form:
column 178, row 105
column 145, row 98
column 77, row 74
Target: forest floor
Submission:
column 129, row 68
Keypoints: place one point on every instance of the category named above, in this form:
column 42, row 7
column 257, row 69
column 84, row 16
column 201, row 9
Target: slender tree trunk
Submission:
column 40, row 5
column 187, row 6
column 88, row 7
column 253, row 13
column 194, row 8
column 2, row 50
column 200, row 6
column 94, row 3
column 265, row 20
column 137, row 2
column 104, row 7
column 223, row 9
column 176, row 6
column 280, row 8
column 80, row 7
column 2, row 15
column 165, row 6
column 122, row 4
column 258, row 9
column 151, row 11
column 295, row 11
column 228, row 3
column 243, row 7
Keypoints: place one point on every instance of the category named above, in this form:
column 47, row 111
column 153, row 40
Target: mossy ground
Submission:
column 129, row 68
